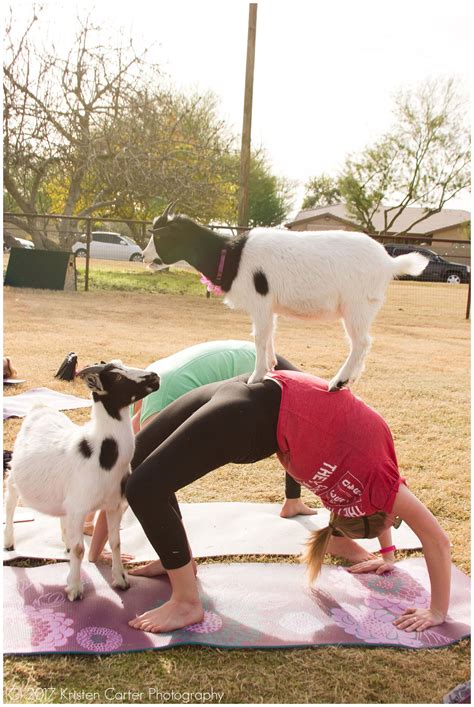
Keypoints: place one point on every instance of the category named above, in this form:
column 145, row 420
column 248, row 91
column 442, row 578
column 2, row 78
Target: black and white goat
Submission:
column 66, row 470
column 269, row 271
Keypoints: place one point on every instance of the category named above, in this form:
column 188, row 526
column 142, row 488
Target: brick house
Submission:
column 436, row 231
column 449, row 224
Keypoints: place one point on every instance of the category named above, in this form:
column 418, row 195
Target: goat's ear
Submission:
column 93, row 382
column 91, row 377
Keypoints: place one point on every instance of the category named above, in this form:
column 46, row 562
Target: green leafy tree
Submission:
column 321, row 191
column 270, row 197
column 424, row 160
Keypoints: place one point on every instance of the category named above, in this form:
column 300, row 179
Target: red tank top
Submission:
column 336, row 446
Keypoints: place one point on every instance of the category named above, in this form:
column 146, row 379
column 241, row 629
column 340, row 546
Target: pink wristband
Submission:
column 391, row 548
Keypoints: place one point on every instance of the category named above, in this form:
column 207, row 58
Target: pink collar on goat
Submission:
column 215, row 287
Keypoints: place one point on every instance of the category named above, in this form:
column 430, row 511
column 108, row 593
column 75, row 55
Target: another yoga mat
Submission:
column 255, row 605
column 214, row 529
column 19, row 405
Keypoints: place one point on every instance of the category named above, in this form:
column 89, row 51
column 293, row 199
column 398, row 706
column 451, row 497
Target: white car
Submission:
column 10, row 241
column 111, row 246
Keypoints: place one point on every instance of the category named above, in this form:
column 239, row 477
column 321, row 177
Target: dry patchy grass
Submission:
column 417, row 377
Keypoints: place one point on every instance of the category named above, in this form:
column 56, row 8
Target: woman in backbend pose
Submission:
column 331, row 442
column 179, row 373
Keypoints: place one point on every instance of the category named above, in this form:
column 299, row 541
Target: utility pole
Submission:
column 243, row 218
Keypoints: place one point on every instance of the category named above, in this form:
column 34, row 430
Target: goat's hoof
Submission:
column 336, row 384
column 121, row 583
column 9, row 548
column 75, row 592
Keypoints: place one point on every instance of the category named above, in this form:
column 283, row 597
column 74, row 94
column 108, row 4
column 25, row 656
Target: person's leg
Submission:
column 89, row 523
column 183, row 608
column 237, row 425
column 292, row 505
column 160, row 426
column 169, row 419
column 234, row 425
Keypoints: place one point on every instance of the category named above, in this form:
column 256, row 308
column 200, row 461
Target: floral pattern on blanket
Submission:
column 50, row 629
column 383, row 597
column 373, row 626
column 99, row 639
column 246, row 605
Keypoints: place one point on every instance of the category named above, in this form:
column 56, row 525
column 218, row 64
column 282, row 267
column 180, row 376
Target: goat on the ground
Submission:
column 270, row 271
column 66, row 470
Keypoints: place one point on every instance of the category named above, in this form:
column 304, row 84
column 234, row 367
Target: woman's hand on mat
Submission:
column 419, row 619
column 296, row 507
column 378, row 565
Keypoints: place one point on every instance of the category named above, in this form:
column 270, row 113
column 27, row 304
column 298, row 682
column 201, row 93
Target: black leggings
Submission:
column 208, row 427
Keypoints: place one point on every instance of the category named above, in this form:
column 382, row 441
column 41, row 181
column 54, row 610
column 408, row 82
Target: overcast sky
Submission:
column 325, row 72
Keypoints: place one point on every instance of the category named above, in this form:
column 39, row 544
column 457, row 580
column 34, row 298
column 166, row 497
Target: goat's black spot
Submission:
column 108, row 453
column 123, row 484
column 85, row 448
column 261, row 283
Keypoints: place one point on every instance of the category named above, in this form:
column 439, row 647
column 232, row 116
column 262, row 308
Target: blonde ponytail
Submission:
column 360, row 527
column 315, row 551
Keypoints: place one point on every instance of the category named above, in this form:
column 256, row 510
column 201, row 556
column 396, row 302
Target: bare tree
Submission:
column 55, row 113
column 85, row 133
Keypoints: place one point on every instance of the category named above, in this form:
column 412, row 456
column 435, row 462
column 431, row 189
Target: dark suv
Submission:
column 437, row 270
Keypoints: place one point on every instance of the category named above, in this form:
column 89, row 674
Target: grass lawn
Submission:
column 417, row 378
column 133, row 277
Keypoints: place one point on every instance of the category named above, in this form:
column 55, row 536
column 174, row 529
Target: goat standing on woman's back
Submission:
column 269, row 271
column 62, row 469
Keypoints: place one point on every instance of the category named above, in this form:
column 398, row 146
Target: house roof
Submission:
column 437, row 222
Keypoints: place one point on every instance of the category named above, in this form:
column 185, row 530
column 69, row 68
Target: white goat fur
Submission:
column 321, row 275
column 51, row 475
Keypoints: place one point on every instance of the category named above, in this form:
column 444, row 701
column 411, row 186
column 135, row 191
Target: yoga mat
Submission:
column 254, row 605
column 19, row 405
column 214, row 530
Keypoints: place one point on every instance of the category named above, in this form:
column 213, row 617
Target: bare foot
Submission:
column 106, row 556
column 361, row 556
column 153, row 569
column 169, row 617
column 348, row 549
column 295, row 507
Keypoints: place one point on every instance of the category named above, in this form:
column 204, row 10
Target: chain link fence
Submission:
column 110, row 245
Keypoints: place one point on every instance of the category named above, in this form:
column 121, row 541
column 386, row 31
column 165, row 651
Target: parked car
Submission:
column 112, row 246
column 437, row 270
column 10, row 241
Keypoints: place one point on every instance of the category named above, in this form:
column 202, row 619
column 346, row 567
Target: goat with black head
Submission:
column 66, row 470
column 270, row 271
column 177, row 237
